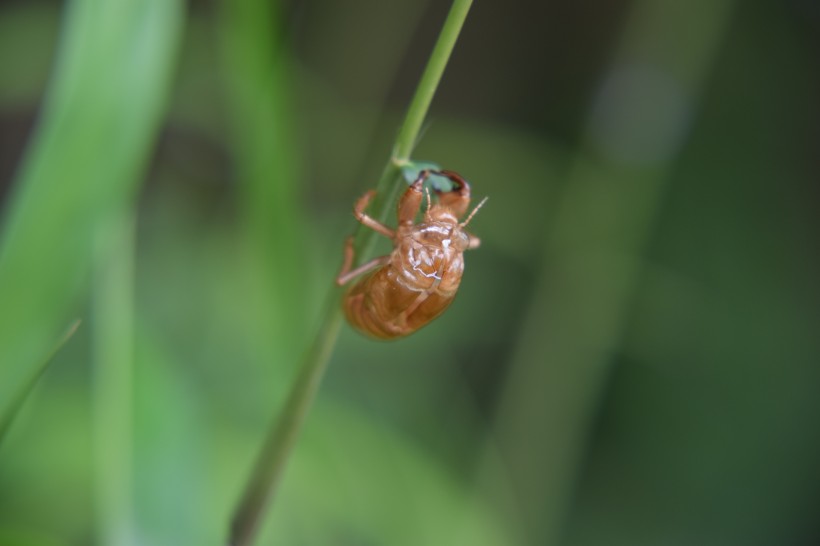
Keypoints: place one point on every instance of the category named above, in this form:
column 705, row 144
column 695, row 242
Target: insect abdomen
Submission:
column 378, row 305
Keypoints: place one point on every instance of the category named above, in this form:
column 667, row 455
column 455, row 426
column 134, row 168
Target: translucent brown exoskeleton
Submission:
column 418, row 280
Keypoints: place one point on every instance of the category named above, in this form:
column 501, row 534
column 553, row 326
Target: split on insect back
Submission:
column 418, row 280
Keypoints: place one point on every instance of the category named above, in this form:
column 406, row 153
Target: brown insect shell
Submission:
column 418, row 283
column 429, row 256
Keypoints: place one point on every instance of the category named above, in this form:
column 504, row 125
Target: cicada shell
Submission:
column 417, row 281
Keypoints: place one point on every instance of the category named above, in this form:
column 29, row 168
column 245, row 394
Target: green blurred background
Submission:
column 632, row 357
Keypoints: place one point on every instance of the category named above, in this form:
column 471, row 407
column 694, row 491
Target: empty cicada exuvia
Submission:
column 418, row 280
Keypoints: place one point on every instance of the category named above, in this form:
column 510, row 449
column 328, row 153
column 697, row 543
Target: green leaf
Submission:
column 412, row 169
column 101, row 115
column 438, row 182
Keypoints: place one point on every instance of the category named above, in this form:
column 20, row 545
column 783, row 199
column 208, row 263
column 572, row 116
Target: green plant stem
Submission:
column 113, row 355
column 281, row 438
column 406, row 140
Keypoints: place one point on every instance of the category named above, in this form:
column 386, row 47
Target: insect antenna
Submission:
column 470, row 217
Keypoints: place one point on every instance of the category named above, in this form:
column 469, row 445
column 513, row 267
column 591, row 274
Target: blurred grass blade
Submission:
column 7, row 418
column 594, row 251
column 264, row 149
column 113, row 355
column 100, row 118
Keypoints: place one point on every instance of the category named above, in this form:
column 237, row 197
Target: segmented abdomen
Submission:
column 378, row 305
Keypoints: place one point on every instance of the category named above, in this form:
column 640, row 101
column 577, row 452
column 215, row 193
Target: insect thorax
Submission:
column 430, row 257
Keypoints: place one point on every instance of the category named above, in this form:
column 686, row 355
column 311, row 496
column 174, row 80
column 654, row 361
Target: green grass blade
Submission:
column 113, row 392
column 100, row 118
column 430, row 79
column 264, row 149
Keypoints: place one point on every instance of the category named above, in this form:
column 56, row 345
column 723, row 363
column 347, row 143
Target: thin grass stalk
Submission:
column 113, row 357
column 273, row 457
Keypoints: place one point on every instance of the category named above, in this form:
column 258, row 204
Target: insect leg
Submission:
column 375, row 225
column 410, row 201
column 346, row 273
column 401, row 320
column 458, row 199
